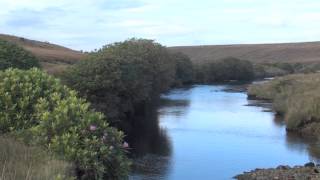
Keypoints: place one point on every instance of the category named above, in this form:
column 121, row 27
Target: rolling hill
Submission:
column 286, row 52
column 53, row 58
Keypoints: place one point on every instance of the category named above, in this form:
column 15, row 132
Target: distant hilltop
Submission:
column 285, row 52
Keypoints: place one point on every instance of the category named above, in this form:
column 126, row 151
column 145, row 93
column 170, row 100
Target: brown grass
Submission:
column 18, row 161
column 297, row 98
column 286, row 52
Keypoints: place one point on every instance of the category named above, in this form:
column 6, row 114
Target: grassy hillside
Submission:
column 55, row 58
column 52, row 57
column 260, row 53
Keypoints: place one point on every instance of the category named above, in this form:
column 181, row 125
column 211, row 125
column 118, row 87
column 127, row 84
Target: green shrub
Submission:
column 20, row 91
column 35, row 105
column 13, row 56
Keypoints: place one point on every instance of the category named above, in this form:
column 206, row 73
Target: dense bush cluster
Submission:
column 13, row 56
column 121, row 78
column 37, row 107
column 225, row 70
column 184, row 72
column 296, row 97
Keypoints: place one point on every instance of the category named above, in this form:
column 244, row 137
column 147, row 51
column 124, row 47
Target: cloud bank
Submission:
column 89, row 24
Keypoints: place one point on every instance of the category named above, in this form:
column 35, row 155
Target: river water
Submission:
column 204, row 132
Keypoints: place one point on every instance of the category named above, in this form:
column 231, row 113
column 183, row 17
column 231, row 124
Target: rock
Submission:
column 282, row 172
column 309, row 164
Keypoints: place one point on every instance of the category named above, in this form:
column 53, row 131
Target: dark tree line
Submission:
column 225, row 70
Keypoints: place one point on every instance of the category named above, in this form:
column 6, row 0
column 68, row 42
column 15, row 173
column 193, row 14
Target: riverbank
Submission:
column 296, row 98
column 309, row 171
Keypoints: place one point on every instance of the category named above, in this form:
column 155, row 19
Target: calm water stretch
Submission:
column 205, row 132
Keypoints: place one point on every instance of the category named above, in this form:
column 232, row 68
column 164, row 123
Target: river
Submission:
column 205, row 132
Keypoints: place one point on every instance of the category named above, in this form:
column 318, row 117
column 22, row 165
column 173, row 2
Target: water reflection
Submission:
column 278, row 120
column 296, row 142
column 147, row 137
column 151, row 146
column 204, row 132
column 311, row 146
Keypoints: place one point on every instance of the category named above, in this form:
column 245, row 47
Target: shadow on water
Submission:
column 278, row 120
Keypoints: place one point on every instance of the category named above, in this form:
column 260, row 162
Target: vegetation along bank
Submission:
column 295, row 97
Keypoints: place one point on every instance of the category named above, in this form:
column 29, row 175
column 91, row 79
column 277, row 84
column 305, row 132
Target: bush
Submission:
column 36, row 105
column 225, row 70
column 184, row 69
column 13, row 56
column 121, row 78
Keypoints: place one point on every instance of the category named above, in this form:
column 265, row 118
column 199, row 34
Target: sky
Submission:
column 90, row 24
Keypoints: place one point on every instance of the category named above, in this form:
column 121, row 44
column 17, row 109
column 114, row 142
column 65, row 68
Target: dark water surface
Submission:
column 206, row 133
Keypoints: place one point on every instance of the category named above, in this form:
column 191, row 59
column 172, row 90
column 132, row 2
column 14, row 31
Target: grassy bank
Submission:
column 18, row 161
column 295, row 97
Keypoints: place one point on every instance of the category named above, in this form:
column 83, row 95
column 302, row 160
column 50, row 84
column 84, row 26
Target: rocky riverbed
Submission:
column 309, row 171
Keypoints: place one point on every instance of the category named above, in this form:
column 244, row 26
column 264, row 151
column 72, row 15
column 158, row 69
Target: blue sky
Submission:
column 89, row 24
